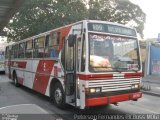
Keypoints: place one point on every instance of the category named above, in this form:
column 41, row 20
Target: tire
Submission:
column 58, row 96
column 15, row 80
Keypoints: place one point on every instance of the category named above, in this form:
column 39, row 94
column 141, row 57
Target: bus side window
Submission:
column 7, row 53
column 53, row 50
column 21, row 50
column 28, row 51
column 15, row 51
column 52, row 45
column 47, row 40
column 38, row 51
column 11, row 52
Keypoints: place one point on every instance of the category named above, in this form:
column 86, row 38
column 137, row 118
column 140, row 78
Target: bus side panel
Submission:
column 20, row 66
column 20, row 76
column 28, row 75
column 42, row 75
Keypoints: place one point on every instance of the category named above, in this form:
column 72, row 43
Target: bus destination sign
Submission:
column 108, row 28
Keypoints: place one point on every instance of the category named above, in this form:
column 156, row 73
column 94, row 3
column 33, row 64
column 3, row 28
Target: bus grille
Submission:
column 114, row 84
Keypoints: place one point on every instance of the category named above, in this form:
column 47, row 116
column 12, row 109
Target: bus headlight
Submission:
column 93, row 90
column 135, row 86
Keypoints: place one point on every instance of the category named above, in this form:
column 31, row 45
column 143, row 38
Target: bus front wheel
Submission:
column 58, row 95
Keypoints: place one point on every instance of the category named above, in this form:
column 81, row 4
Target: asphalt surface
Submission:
column 25, row 101
column 151, row 85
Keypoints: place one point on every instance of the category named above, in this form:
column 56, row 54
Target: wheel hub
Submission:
column 58, row 95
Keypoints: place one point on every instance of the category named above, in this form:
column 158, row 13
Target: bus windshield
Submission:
column 112, row 53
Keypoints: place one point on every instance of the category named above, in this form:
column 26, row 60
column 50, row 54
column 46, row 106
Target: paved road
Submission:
column 151, row 84
column 36, row 103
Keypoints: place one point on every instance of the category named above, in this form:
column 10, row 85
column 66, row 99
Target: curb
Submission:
column 151, row 93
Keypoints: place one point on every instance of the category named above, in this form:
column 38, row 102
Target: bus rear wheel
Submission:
column 58, row 95
column 15, row 79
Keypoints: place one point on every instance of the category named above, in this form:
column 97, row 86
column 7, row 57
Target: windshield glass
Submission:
column 111, row 53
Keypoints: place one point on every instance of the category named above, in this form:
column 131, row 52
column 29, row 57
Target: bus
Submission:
column 84, row 64
column 2, row 70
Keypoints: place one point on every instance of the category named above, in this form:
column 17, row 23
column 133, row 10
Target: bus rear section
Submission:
column 97, row 63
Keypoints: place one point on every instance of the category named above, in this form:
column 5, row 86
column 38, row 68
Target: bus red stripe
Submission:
column 107, row 76
column 42, row 75
column 18, row 64
column 133, row 75
column 112, row 99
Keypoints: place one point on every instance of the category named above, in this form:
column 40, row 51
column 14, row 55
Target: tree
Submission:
column 120, row 11
column 37, row 16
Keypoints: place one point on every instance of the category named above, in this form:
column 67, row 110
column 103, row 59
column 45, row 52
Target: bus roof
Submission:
column 85, row 21
column 106, row 22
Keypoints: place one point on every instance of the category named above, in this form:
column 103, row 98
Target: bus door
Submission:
column 71, row 69
column 72, row 53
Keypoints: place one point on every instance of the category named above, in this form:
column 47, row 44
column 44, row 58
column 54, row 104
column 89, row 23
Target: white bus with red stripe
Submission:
column 88, row 63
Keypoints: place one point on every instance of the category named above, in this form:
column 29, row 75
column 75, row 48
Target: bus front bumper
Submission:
column 112, row 99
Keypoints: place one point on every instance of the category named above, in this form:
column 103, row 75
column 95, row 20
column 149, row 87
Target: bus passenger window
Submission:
column 15, row 51
column 53, row 52
column 38, row 51
column 7, row 53
column 48, row 38
column 28, row 51
column 12, row 52
column 21, row 50
column 52, row 45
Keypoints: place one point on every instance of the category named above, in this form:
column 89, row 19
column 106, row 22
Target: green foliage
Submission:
column 120, row 11
column 37, row 16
